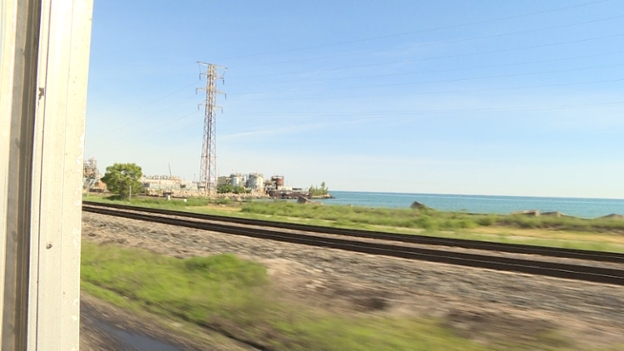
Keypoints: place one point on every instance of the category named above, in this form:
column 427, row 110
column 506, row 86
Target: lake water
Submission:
column 587, row 208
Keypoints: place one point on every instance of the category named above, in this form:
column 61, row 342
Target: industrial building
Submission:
column 163, row 182
column 91, row 176
column 251, row 181
column 255, row 181
column 157, row 185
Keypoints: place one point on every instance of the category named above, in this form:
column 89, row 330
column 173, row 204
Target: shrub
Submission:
column 486, row 221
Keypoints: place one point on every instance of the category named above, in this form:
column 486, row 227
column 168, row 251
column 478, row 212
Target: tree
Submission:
column 322, row 191
column 229, row 189
column 121, row 178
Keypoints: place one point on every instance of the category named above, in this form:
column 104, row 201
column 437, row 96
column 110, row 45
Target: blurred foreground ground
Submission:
column 493, row 310
column 106, row 327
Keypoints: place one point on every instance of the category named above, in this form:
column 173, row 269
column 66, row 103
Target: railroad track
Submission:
column 521, row 265
column 411, row 238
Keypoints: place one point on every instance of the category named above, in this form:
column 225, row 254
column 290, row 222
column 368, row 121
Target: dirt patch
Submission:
column 550, row 234
column 294, row 281
column 493, row 326
column 221, row 208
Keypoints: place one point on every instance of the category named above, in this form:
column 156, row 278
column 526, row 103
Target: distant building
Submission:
column 223, row 180
column 255, row 181
column 165, row 183
column 237, row 179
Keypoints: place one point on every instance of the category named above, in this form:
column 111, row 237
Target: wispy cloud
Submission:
column 275, row 130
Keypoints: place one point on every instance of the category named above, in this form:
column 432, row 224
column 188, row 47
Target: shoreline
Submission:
column 482, row 195
column 585, row 208
column 320, row 197
column 482, row 204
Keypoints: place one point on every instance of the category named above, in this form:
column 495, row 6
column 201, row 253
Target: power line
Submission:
column 423, row 112
column 444, row 57
column 151, row 102
column 133, row 122
column 452, row 91
column 463, row 110
column 162, row 129
column 444, row 70
column 437, row 43
column 463, row 79
column 422, row 30
column 151, row 136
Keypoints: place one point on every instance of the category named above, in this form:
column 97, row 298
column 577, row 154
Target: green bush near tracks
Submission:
column 229, row 294
column 354, row 216
column 430, row 219
column 159, row 202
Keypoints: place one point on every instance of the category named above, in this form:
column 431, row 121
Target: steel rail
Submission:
column 407, row 238
column 550, row 269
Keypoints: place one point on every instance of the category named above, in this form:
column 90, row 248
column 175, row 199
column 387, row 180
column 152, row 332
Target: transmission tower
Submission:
column 208, row 166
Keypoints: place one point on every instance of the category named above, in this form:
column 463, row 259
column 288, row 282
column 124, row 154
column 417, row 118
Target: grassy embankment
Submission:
column 235, row 297
column 599, row 234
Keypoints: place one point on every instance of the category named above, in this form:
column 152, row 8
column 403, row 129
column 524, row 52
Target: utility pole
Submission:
column 208, row 165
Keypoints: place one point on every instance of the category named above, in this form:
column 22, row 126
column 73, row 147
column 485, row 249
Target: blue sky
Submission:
column 514, row 97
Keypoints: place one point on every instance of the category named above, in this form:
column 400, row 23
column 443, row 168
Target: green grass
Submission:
column 235, row 296
column 403, row 218
column 576, row 233
column 173, row 285
column 430, row 219
column 159, row 202
column 226, row 293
